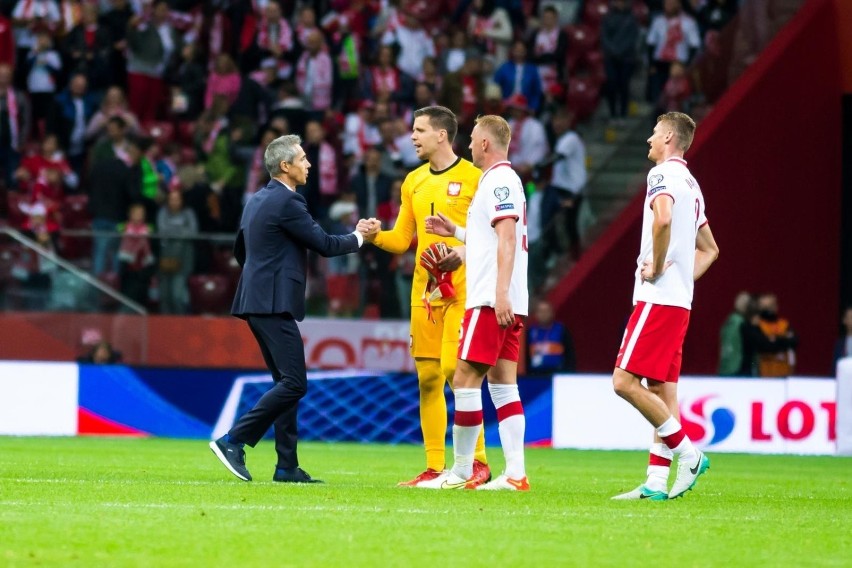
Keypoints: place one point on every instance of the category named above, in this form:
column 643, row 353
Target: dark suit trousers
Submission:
column 284, row 354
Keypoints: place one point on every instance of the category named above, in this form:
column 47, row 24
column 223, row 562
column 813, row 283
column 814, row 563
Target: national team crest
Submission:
column 454, row 189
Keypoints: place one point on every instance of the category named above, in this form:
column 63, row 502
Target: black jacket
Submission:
column 272, row 245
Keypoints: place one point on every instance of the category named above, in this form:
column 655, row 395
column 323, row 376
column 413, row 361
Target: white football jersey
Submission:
column 500, row 194
column 674, row 287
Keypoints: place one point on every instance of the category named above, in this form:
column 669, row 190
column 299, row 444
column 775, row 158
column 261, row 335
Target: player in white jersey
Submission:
column 497, row 301
column 677, row 249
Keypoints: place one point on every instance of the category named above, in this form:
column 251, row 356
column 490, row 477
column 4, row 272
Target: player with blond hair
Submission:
column 497, row 302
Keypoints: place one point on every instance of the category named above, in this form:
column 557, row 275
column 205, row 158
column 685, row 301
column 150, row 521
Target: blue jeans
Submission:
column 104, row 248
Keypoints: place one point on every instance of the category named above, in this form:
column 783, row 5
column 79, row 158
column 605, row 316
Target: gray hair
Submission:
column 282, row 149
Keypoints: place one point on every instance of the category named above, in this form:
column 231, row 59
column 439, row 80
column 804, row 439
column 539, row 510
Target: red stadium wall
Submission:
column 768, row 161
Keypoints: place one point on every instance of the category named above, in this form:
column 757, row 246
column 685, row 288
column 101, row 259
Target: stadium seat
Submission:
column 594, row 12
column 583, row 96
column 595, row 68
column 343, row 291
column 581, row 40
column 9, row 255
column 13, row 204
column 75, row 215
column 225, row 264
column 185, row 131
column 113, row 280
column 209, row 294
column 162, row 132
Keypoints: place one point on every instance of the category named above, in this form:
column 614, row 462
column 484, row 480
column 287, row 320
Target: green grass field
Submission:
column 155, row 502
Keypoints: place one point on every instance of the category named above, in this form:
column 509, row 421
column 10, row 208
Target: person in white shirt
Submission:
column 497, row 301
column 677, row 248
column 672, row 36
column 414, row 43
column 529, row 145
column 567, row 181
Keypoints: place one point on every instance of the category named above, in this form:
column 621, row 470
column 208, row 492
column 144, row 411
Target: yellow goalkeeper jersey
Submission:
column 425, row 191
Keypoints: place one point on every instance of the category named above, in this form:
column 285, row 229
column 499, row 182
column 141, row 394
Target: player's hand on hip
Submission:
column 453, row 260
column 503, row 311
column 648, row 274
column 440, row 225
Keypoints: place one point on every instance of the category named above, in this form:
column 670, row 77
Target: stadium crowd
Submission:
column 145, row 121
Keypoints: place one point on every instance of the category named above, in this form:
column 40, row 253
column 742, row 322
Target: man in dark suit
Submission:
column 272, row 245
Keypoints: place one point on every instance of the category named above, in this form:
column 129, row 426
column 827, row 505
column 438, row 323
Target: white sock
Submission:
column 658, row 474
column 466, row 427
column 672, row 434
column 512, row 425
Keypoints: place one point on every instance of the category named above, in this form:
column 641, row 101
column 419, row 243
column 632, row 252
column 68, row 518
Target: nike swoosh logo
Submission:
column 445, row 485
column 694, row 470
column 515, row 484
column 643, row 496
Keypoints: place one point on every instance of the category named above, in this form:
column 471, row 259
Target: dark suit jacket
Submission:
column 272, row 245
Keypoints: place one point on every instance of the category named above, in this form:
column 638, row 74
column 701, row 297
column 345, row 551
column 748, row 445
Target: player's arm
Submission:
column 398, row 239
column 661, row 230
column 443, row 226
column 505, row 229
column 706, row 251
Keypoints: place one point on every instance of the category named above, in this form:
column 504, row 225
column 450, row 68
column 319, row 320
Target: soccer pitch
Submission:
column 158, row 502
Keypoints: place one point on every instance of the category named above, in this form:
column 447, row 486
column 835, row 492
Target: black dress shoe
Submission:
column 297, row 475
column 232, row 457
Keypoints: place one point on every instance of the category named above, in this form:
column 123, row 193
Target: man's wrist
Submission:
column 460, row 233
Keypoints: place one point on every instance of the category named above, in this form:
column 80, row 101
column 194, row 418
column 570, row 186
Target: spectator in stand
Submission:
column 216, row 139
column 401, row 266
column 360, row 131
column 306, row 25
column 384, row 77
column 224, row 79
column 371, row 185
column 151, row 41
column 672, row 36
column 550, row 348
column 101, row 353
column 775, row 345
column 520, row 77
column 186, row 76
column 619, row 38
column 464, row 92
column 536, row 260
column 528, row 147
column 71, row 112
column 731, row 340
column 114, row 183
column 29, row 17
column 33, row 271
column 549, row 46
column 843, row 346
column 258, row 176
column 114, row 104
column 43, row 68
column 412, row 43
column 88, row 48
column 491, row 29
column 452, row 59
column 342, row 281
column 14, row 124
column 265, row 34
column 113, row 145
column 568, row 179
column 33, row 167
column 677, row 92
column 177, row 255
column 321, row 188
column 135, row 256
column 117, row 21
column 42, row 205
column 315, row 76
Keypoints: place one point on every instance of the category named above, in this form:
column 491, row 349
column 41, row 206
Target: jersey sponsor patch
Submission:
column 454, row 188
column 504, row 206
column 654, row 190
column 501, row 193
column 655, row 179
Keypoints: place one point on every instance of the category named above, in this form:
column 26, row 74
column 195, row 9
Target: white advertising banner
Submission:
column 380, row 345
column 38, row 399
column 794, row 415
column 844, row 407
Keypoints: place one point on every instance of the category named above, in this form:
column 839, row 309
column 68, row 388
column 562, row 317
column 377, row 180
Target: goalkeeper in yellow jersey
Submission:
column 445, row 184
